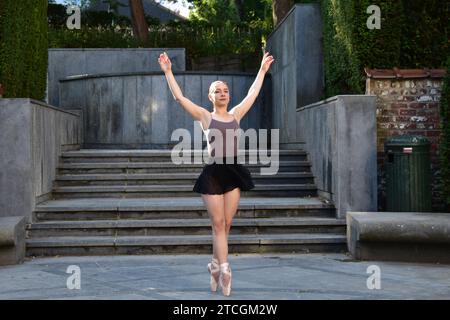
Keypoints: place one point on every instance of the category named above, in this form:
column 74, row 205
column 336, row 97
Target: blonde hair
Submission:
column 212, row 87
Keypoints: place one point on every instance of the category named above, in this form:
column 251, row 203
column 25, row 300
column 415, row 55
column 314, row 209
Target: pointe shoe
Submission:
column 214, row 270
column 225, row 270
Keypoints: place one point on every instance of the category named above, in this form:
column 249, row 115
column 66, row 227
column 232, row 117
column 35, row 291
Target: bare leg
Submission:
column 215, row 206
column 231, row 203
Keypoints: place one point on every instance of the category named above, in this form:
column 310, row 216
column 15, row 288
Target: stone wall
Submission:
column 297, row 73
column 68, row 62
column 137, row 110
column 32, row 137
column 231, row 62
column 340, row 138
column 407, row 104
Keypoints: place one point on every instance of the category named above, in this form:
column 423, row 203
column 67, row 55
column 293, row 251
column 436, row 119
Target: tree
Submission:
column 280, row 8
column 252, row 10
column 114, row 5
column 140, row 27
column 215, row 11
column 138, row 22
column 240, row 8
column 219, row 11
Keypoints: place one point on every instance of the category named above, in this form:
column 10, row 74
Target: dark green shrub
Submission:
column 91, row 37
column 199, row 38
column 425, row 34
column 23, row 48
column 413, row 34
column 444, row 147
column 56, row 15
column 350, row 46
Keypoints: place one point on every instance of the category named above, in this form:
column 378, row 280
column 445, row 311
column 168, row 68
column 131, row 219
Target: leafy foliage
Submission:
column 444, row 147
column 413, row 34
column 218, row 30
column 23, row 48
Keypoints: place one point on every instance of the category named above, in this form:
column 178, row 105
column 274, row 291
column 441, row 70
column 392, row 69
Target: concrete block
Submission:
column 355, row 118
column 12, row 240
column 340, row 138
column 16, row 183
column 399, row 236
column 32, row 133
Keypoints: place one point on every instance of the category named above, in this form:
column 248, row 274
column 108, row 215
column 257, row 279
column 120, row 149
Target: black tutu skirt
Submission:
column 218, row 178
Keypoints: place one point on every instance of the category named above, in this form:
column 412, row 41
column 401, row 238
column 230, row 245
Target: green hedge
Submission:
column 199, row 38
column 23, row 48
column 444, row 147
column 350, row 46
column 342, row 65
column 57, row 17
column 413, row 34
column 425, row 33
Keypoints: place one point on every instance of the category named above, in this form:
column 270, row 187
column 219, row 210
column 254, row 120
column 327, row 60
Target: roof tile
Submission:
column 396, row 73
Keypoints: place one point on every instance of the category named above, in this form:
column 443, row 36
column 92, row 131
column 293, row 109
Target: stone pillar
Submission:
column 340, row 138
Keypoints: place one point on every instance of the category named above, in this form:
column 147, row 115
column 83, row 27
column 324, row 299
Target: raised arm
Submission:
column 197, row 112
column 242, row 108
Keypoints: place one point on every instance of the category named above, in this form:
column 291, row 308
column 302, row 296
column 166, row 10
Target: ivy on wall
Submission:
column 23, row 48
column 413, row 34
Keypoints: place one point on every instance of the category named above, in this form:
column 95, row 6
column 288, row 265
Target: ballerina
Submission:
column 220, row 183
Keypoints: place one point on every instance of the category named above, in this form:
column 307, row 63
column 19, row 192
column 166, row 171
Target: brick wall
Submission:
column 407, row 103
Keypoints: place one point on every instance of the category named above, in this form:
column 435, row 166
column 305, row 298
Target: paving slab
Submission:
column 255, row 276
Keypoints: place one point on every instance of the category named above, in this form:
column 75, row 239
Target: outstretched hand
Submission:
column 164, row 62
column 266, row 62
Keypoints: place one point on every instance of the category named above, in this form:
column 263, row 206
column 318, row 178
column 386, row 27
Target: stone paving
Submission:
column 255, row 276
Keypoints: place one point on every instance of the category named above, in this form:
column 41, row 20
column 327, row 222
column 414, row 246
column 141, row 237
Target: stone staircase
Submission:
column 138, row 202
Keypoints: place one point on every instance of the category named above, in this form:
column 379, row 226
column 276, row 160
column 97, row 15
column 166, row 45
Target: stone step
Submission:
column 191, row 244
column 99, row 155
column 108, row 202
column 170, row 178
column 158, row 152
column 173, row 208
column 167, row 167
column 272, row 190
column 166, row 227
